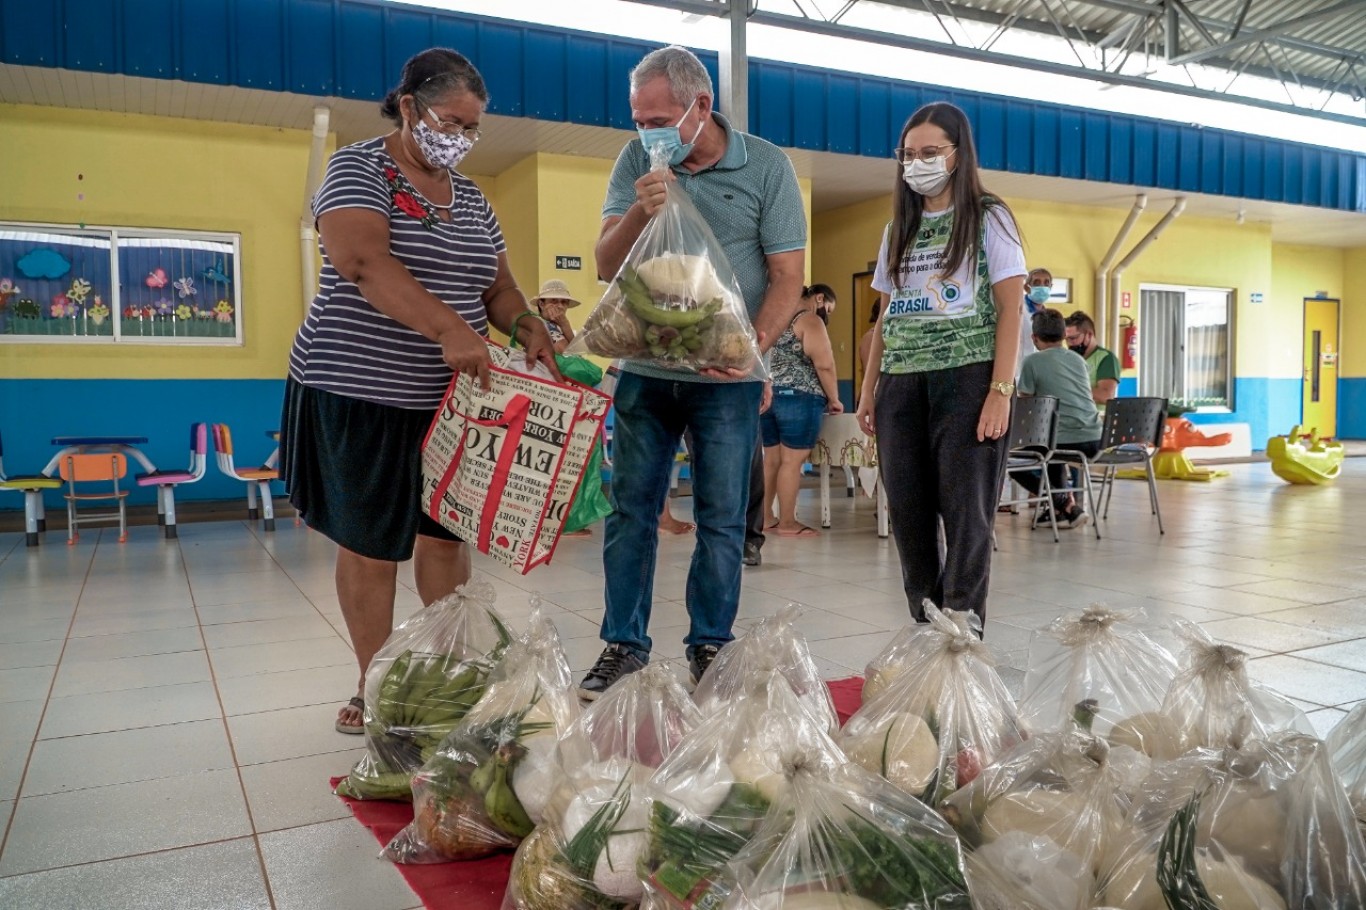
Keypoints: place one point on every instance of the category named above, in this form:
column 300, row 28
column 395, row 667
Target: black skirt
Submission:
column 353, row 470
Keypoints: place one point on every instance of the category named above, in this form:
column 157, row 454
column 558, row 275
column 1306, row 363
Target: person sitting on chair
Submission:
column 1056, row 371
column 1101, row 364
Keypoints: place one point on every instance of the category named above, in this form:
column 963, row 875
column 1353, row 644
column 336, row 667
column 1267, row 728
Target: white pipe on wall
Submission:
column 308, row 235
column 1103, row 302
column 1112, row 330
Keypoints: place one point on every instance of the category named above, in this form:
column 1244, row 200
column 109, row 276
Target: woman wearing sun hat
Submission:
column 552, row 303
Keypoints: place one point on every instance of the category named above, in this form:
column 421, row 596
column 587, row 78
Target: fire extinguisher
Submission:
column 1130, row 342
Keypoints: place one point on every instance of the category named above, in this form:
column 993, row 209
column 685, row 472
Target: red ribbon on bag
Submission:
column 514, row 420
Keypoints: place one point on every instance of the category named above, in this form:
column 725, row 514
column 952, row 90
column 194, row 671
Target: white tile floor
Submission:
column 166, row 707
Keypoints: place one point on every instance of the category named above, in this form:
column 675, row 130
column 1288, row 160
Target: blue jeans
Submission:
column 651, row 416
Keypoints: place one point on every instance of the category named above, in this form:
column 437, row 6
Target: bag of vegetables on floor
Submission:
column 488, row 783
column 1262, row 824
column 675, row 303
column 588, row 852
column 1098, row 669
column 428, row 674
column 1212, row 695
column 849, row 841
column 1044, row 820
column 772, row 644
column 709, row 797
column 1347, row 749
column 944, row 716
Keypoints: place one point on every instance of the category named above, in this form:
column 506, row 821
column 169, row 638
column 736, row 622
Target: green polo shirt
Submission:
column 1061, row 373
column 750, row 199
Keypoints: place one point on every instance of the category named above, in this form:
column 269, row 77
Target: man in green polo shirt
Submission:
column 1101, row 364
column 747, row 192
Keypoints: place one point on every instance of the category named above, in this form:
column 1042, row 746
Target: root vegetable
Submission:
column 761, row 770
column 535, row 777
column 1232, row 887
column 1040, row 869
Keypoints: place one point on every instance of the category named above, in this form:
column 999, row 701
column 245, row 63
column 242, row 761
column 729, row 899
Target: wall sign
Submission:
column 1126, row 300
column 572, row 263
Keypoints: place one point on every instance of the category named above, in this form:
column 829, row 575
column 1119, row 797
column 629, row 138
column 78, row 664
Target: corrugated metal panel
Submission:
column 355, row 48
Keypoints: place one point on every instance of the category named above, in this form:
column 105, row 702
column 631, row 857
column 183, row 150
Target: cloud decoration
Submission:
column 43, row 263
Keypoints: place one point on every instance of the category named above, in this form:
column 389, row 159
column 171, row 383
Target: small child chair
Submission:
column 32, row 486
column 93, row 468
column 167, row 481
column 256, row 479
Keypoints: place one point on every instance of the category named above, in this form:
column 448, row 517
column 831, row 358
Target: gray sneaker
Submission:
column 614, row 662
column 752, row 555
column 701, row 659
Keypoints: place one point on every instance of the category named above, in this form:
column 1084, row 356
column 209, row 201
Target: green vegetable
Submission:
column 685, row 859
column 903, row 871
column 1177, row 874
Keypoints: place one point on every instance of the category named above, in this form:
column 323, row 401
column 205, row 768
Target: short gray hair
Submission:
column 687, row 77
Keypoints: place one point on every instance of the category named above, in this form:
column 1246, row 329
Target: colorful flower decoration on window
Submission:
column 79, row 290
column 61, row 307
column 8, row 289
column 184, row 313
column 131, row 312
column 223, row 311
column 185, row 287
column 98, row 312
column 164, row 307
column 156, row 278
column 406, row 200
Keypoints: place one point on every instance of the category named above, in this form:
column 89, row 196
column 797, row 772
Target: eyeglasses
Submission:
column 929, row 153
column 455, row 128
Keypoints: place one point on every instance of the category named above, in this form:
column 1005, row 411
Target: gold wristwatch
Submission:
column 1005, row 388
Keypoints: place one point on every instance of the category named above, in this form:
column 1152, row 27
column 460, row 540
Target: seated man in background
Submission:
column 1102, row 364
column 1054, row 370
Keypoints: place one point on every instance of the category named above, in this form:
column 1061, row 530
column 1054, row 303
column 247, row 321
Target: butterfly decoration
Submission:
column 185, row 286
column 216, row 273
column 156, row 278
column 79, row 290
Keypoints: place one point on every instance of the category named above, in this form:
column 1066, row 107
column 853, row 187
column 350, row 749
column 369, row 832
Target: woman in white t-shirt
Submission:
column 945, row 351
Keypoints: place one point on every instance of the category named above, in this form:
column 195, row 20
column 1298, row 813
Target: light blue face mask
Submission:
column 1040, row 294
column 670, row 138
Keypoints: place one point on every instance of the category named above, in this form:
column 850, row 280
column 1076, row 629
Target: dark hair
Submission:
column 1047, row 325
column 971, row 201
column 877, row 308
column 825, row 289
column 430, row 75
column 1079, row 320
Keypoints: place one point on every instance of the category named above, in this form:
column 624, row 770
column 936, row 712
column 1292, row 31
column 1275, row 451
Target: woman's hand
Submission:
column 864, row 414
column 995, row 420
column 834, row 406
column 465, row 351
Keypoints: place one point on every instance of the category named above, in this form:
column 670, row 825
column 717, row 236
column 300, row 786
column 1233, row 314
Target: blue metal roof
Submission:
column 355, row 49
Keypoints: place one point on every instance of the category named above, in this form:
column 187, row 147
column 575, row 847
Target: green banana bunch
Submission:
column 501, row 804
column 637, row 295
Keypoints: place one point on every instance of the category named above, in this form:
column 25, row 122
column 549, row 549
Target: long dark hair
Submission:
column 431, row 74
column 971, row 201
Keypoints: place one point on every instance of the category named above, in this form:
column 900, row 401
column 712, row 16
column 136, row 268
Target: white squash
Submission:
column 901, row 749
column 616, row 873
column 760, row 769
column 1249, row 823
column 879, row 679
column 681, row 275
column 535, row 777
column 1152, row 733
column 1058, row 815
column 1233, row 888
column 1038, row 869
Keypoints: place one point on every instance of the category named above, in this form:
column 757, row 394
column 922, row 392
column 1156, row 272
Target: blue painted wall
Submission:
column 1352, row 408
column 355, row 49
column 1270, row 407
column 33, row 411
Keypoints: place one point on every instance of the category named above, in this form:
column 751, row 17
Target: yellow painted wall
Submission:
column 1297, row 272
column 1354, row 313
column 146, row 171
column 843, row 242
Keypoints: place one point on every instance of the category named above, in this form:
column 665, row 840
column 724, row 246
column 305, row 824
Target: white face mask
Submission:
column 928, row 178
column 440, row 150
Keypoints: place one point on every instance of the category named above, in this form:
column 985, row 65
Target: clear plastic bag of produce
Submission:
column 425, row 678
column 774, row 643
column 709, row 797
column 943, row 718
column 849, row 841
column 1212, row 696
column 488, row 783
column 1347, row 747
column 1098, row 669
column 1042, row 821
column 675, row 303
column 588, row 851
column 1262, row 824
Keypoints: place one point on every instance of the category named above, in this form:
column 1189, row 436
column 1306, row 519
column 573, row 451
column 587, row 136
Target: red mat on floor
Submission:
column 480, row 885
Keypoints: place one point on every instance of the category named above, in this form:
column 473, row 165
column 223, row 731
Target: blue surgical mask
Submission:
column 671, row 139
column 1039, row 294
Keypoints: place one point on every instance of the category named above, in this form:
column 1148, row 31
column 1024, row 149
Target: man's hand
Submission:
column 651, row 190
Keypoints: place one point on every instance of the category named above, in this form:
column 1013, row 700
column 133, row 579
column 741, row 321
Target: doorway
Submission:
column 1321, row 354
column 864, row 300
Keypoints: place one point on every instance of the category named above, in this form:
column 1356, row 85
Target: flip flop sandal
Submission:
column 803, row 531
column 359, row 704
column 684, row 527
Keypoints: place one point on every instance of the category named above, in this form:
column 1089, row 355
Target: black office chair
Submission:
column 1131, row 435
column 1033, row 426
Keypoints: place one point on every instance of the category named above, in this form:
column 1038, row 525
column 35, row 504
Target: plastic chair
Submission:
column 256, row 479
column 1033, row 426
column 93, row 468
column 1131, row 435
column 167, row 481
column 32, row 486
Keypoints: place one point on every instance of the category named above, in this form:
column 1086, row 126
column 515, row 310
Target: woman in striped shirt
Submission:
column 414, row 271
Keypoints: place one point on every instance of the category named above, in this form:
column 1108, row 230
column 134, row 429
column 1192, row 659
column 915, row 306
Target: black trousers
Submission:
column 754, row 511
column 934, row 468
column 1057, row 476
